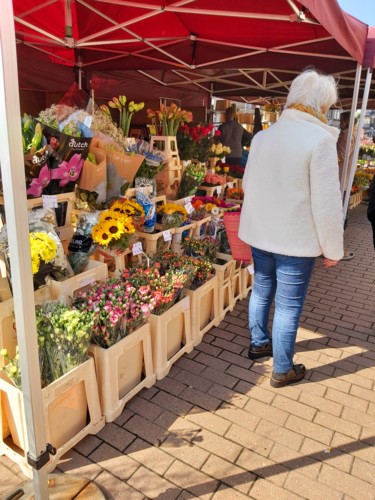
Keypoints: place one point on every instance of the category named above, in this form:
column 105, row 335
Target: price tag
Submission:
column 250, row 268
column 88, row 121
column 137, row 248
column 189, row 208
column 230, row 185
column 167, row 235
column 219, row 189
column 49, row 201
column 188, row 199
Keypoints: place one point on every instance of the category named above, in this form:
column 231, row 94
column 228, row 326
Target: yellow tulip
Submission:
column 122, row 99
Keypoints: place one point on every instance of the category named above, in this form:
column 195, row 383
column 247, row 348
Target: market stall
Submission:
column 71, row 40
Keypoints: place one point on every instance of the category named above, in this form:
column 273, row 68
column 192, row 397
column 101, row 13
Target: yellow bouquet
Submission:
column 126, row 112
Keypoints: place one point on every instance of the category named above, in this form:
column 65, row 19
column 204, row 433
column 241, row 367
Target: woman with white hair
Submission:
column 292, row 213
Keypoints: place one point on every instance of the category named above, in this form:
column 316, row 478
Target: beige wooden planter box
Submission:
column 204, row 309
column 225, row 273
column 170, row 336
column 71, row 411
column 94, row 271
column 247, row 281
column 237, row 282
column 123, row 370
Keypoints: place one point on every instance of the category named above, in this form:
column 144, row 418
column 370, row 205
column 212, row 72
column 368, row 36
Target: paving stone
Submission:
column 116, row 436
column 267, row 412
column 309, row 429
column 309, row 488
column 199, row 398
column 250, row 440
column 191, row 479
column 265, row 489
column 144, row 408
column 347, row 483
column 115, row 489
column 88, row 444
column 339, row 424
column 193, row 380
column 256, row 392
column 228, row 396
column 329, row 454
column 172, row 403
column 296, row 408
column 153, row 486
column 114, row 461
column 219, row 378
column 144, row 453
column 145, row 429
column 210, row 421
column 294, row 460
column 183, row 450
column 228, row 473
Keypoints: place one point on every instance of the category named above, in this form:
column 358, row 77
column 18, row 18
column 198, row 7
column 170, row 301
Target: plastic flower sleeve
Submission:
column 81, row 245
column 145, row 190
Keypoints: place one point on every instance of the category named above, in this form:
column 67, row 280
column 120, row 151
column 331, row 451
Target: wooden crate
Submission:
column 247, row 281
column 94, row 271
column 71, row 411
column 123, row 370
column 152, row 242
column 170, row 336
column 204, row 309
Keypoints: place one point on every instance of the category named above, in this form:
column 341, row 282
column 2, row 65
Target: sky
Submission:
column 364, row 10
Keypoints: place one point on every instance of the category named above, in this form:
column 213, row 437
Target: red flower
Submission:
column 217, row 133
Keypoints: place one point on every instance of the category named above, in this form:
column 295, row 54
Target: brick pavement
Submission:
column 215, row 429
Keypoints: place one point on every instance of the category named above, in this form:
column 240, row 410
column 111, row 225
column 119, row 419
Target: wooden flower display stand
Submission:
column 65, row 289
column 170, row 175
column 123, row 370
column 170, row 336
column 151, row 242
column 71, row 411
column 225, row 273
column 237, row 282
column 204, row 309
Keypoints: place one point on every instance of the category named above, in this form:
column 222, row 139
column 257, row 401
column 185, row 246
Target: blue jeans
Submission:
column 286, row 280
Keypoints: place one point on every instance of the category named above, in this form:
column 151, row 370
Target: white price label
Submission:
column 137, row 248
column 250, row 268
column 219, row 189
column 86, row 281
column 230, row 185
column 88, row 121
column 167, row 235
column 188, row 199
column 189, row 208
column 49, row 201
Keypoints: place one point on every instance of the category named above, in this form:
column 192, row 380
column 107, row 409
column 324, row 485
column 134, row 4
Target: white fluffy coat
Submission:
column 292, row 204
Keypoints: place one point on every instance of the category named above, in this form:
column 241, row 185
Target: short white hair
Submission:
column 313, row 89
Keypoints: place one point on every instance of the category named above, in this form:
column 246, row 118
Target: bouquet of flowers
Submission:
column 126, row 111
column 217, row 150
column 206, row 247
column 63, row 340
column 172, row 215
column 105, row 301
column 213, row 180
column 81, row 245
column 169, row 118
column 194, row 142
column 235, row 193
column 114, row 230
column 191, row 179
column 167, row 260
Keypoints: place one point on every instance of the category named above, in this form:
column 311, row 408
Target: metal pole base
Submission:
column 60, row 486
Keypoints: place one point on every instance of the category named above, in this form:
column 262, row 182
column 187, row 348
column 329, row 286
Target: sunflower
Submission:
column 109, row 215
column 116, row 228
column 128, row 225
column 133, row 208
column 101, row 233
column 118, row 206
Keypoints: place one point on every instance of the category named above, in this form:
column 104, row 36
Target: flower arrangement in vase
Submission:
column 194, row 142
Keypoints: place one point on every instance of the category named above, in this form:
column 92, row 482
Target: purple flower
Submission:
column 38, row 184
column 68, row 171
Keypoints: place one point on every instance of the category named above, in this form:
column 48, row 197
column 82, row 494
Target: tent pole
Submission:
column 13, row 177
column 356, row 146
column 351, row 126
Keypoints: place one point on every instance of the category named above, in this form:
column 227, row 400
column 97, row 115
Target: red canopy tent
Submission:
column 201, row 47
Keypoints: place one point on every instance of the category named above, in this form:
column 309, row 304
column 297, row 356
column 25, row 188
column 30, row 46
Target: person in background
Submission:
column 233, row 135
column 371, row 208
column 292, row 213
column 257, row 121
column 341, row 148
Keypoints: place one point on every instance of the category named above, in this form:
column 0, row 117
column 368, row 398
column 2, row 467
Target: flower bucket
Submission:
column 239, row 249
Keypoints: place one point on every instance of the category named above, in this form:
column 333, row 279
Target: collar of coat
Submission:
column 296, row 115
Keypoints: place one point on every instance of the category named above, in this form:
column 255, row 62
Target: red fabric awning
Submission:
column 200, row 41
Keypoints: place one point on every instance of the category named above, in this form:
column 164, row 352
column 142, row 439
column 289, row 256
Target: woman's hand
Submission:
column 329, row 262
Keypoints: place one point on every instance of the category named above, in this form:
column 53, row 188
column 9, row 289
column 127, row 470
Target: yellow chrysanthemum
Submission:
column 43, row 248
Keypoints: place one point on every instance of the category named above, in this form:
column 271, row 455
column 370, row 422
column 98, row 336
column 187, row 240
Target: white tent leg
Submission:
column 13, row 177
column 356, row 146
column 343, row 186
